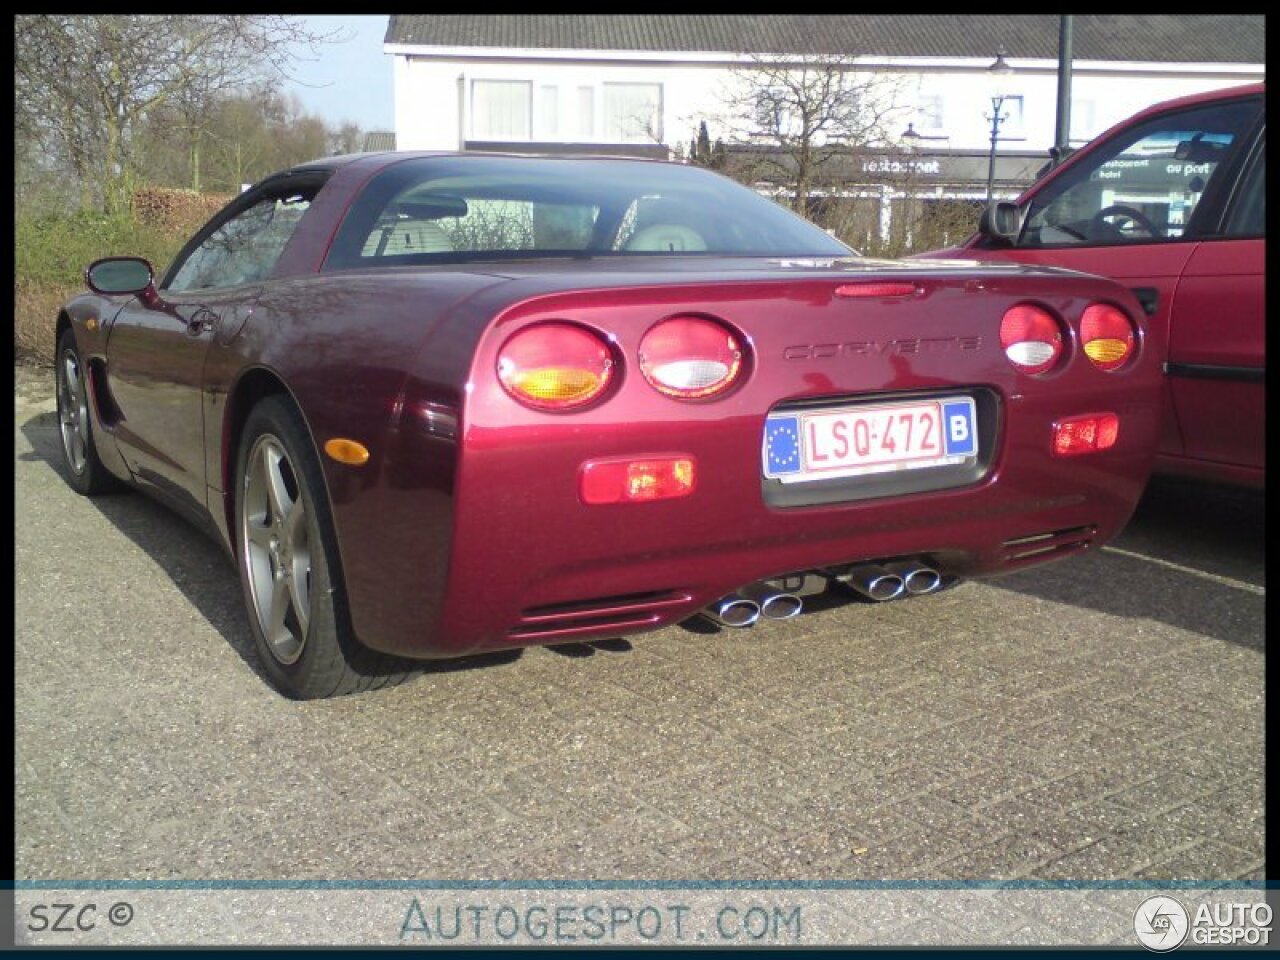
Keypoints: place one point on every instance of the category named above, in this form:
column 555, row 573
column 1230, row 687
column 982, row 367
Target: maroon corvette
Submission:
column 436, row 405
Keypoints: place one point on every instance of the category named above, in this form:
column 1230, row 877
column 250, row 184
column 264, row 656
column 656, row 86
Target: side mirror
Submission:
column 116, row 276
column 1001, row 220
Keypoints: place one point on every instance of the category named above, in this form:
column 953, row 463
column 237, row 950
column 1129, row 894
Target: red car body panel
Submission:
column 465, row 531
column 1210, row 303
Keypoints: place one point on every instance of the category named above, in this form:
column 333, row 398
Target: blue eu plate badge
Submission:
column 782, row 446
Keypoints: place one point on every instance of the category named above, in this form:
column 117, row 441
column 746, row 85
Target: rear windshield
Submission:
column 473, row 209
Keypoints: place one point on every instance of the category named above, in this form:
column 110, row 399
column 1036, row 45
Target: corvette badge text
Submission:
column 427, row 922
column 879, row 348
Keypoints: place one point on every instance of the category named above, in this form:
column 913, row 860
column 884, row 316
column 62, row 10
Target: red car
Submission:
column 434, row 405
column 1171, row 203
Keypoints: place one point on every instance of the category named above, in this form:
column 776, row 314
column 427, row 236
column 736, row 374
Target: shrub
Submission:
column 50, row 255
column 174, row 210
column 35, row 309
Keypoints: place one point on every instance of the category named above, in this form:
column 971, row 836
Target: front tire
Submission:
column 289, row 566
column 85, row 471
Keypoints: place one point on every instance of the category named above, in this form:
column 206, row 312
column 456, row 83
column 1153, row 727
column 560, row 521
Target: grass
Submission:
column 50, row 256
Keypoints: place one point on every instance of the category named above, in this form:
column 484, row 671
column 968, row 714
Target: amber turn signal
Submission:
column 350, row 452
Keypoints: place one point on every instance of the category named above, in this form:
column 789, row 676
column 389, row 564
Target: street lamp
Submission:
column 913, row 136
column 998, row 72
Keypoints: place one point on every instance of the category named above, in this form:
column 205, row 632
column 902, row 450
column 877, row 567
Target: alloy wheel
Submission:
column 275, row 544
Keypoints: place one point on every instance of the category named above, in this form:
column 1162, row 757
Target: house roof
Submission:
column 1164, row 37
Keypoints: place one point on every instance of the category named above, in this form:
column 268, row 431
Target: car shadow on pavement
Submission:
column 1193, row 557
column 192, row 560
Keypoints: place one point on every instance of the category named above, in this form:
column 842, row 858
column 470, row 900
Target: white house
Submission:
column 640, row 84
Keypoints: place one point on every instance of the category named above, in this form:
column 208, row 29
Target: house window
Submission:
column 548, row 113
column 585, row 115
column 632, row 112
column 1011, row 128
column 1083, row 120
column 929, row 113
column 500, row 109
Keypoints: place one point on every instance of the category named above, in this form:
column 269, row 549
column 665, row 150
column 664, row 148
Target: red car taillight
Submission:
column 1031, row 337
column 555, row 366
column 636, row 481
column 1107, row 336
column 690, row 357
column 1087, row 433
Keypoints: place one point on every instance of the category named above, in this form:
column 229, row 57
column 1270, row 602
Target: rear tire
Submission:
column 289, row 566
column 85, row 471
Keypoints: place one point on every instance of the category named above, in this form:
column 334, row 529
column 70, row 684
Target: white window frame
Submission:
column 931, row 114
column 546, row 116
column 1014, row 126
column 477, row 133
column 639, row 136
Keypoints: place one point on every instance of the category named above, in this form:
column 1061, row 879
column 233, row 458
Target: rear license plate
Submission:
column 869, row 438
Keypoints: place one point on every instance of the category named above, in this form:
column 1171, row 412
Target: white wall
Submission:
column 431, row 91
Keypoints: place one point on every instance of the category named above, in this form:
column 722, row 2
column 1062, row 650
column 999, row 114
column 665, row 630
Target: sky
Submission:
column 350, row 80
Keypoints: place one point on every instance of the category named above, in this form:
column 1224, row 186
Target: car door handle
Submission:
column 1149, row 298
column 202, row 321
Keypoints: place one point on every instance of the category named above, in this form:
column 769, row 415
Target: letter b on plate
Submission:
column 957, row 420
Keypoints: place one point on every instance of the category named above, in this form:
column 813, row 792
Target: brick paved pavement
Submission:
column 1098, row 718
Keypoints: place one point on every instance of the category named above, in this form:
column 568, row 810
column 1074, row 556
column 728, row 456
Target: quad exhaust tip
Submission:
column 774, row 604
column 874, row 582
column 916, row 577
column 733, row 610
column 879, row 582
column 744, row 607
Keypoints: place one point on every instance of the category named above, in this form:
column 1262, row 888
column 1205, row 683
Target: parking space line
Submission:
column 1202, row 574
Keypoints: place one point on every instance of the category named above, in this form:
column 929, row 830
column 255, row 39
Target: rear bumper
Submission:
column 528, row 563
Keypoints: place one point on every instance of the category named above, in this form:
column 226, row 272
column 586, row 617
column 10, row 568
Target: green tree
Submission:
column 85, row 84
column 704, row 153
column 802, row 122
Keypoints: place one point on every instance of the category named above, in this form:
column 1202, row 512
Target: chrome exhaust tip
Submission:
column 916, row 577
column 733, row 610
column 874, row 582
column 774, row 604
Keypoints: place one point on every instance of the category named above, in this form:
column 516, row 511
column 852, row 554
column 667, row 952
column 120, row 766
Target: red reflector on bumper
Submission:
column 636, row 481
column 1086, row 433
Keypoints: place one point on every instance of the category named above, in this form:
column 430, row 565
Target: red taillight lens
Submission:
column 1031, row 337
column 690, row 357
column 555, row 366
column 636, row 481
column 1107, row 336
column 1087, row 433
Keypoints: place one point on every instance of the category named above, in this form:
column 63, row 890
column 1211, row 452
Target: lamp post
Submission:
column 1062, row 129
column 998, row 72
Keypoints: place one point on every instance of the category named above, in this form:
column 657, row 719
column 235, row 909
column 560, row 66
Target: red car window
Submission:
column 1144, row 187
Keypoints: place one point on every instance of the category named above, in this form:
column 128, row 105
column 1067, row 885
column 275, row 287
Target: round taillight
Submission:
column 555, row 366
column 1031, row 337
column 1107, row 336
column 690, row 357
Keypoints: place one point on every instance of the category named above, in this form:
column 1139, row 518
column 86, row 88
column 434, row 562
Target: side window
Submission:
column 1142, row 187
column 1248, row 214
column 245, row 248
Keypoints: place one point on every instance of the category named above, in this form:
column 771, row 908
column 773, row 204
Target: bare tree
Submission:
column 84, row 84
column 798, row 123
